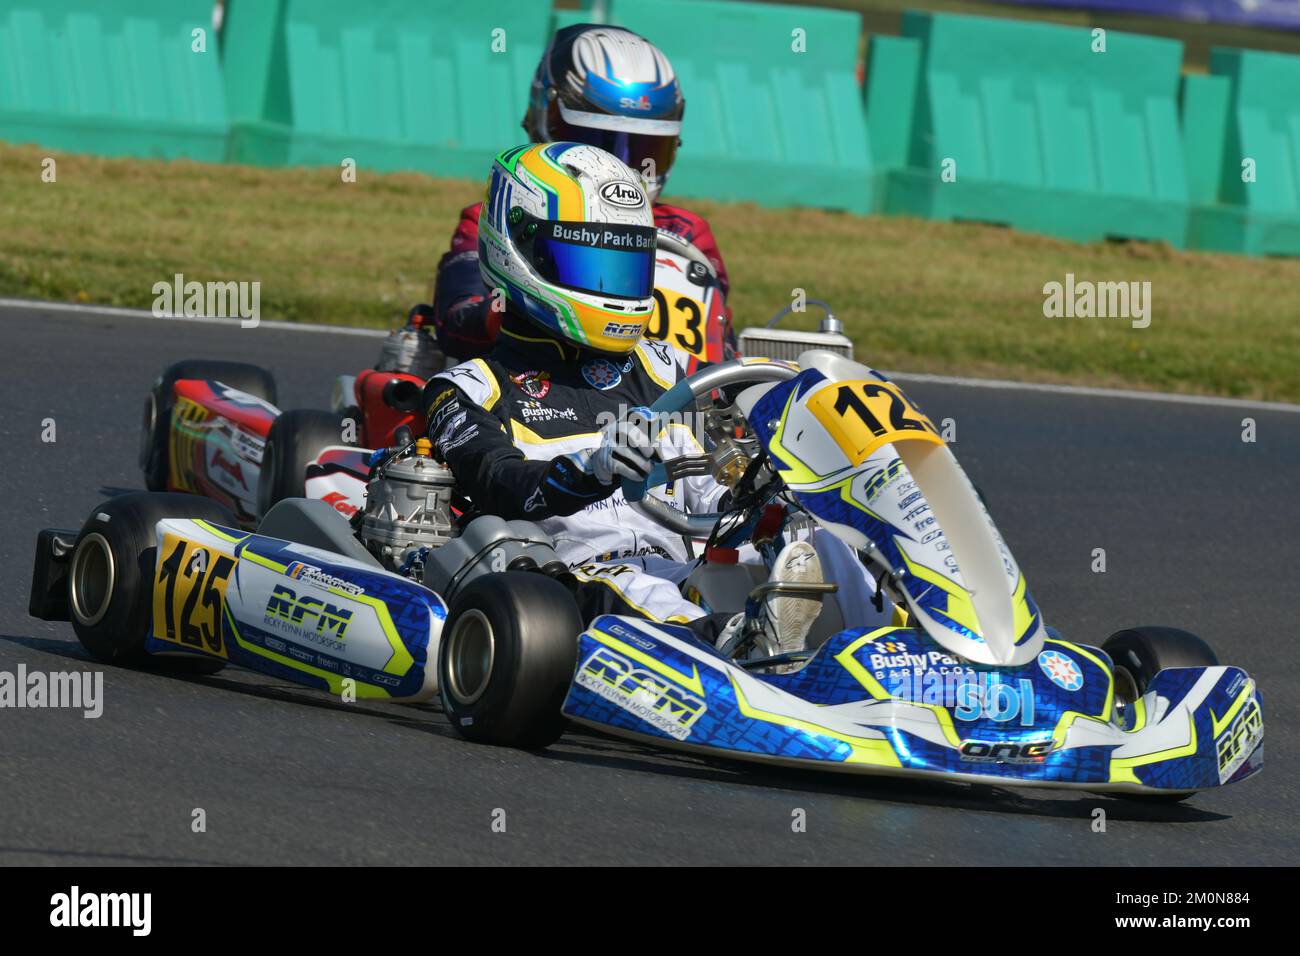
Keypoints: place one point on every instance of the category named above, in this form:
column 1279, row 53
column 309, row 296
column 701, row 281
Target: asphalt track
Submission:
column 1199, row 530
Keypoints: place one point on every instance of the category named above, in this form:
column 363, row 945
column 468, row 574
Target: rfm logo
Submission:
column 287, row 606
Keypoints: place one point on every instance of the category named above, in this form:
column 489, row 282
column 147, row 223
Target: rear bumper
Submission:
column 49, row 595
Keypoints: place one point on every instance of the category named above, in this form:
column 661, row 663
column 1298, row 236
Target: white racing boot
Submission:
column 780, row 613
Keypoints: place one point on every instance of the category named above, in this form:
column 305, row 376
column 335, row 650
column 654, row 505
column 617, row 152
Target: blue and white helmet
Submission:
column 610, row 88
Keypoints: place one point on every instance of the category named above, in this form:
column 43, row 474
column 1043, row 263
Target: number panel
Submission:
column 189, row 595
column 684, row 312
column 862, row 416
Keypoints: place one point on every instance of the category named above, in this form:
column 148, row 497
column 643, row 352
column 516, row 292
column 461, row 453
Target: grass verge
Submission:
column 924, row 296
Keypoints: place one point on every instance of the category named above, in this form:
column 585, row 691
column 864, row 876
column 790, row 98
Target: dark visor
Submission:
column 632, row 148
column 601, row 258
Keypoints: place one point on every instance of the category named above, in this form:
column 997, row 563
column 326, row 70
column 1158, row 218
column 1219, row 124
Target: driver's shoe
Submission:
column 775, row 622
column 787, row 618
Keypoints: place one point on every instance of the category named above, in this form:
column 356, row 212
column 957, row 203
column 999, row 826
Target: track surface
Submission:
column 1199, row 531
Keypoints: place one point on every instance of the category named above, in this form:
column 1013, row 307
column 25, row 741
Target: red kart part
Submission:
column 387, row 401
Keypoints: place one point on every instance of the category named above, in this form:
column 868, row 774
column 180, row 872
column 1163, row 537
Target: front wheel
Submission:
column 1138, row 654
column 111, row 574
column 506, row 659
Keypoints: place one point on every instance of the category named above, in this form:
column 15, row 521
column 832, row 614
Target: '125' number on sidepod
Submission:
column 192, row 582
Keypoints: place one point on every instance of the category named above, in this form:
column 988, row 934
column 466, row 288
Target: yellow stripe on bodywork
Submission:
column 1121, row 768
column 1219, row 726
column 217, row 532
column 865, row 750
column 401, row 660
column 1140, row 715
column 960, row 608
column 877, row 690
column 258, row 559
column 692, row 682
column 1110, row 676
column 332, row 680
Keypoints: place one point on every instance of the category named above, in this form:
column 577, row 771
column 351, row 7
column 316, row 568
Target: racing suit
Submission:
column 512, row 427
column 463, row 320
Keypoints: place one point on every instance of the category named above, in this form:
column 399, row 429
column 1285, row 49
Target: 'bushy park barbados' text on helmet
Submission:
column 609, row 88
column 567, row 234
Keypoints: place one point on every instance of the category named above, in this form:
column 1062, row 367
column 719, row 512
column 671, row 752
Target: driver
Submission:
column 599, row 85
column 546, row 426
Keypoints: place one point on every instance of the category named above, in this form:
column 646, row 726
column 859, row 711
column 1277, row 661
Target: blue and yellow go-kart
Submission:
column 965, row 682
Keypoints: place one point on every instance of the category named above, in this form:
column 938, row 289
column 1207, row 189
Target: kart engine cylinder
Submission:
column 408, row 508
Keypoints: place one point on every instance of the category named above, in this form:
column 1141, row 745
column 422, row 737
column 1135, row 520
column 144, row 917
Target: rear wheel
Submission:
column 156, row 426
column 1138, row 654
column 506, row 659
column 110, row 576
column 295, row 440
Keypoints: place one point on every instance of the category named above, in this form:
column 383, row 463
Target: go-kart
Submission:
column 966, row 683
column 212, row 427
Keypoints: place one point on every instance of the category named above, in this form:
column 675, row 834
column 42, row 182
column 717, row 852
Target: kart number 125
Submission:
column 189, row 594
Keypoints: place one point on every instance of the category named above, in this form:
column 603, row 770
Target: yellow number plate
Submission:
column 189, row 593
column 686, row 315
column 862, row 416
column 680, row 321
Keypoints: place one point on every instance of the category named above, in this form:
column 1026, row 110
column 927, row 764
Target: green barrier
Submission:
column 116, row 79
column 438, row 86
column 1022, row 124
column 1241, row 128
column 763, row 122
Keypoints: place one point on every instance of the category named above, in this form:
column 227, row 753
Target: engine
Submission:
column 408, row 510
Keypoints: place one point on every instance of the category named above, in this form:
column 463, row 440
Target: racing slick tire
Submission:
column 156, row 427
column 110, row 577
column 1137, row 654
column 506, row 659
column 295, row 439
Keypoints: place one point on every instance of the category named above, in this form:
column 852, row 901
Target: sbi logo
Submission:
column 996, row 701
column 622, row 193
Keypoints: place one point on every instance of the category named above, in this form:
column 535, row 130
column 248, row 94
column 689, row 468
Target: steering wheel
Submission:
column 679, row 399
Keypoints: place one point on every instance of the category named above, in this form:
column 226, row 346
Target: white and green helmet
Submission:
column 568, row 236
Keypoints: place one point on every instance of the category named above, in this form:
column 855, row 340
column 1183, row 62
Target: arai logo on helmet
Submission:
column 622, row 193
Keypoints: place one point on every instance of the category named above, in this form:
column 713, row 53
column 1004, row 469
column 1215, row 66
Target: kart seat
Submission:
column 316, row 524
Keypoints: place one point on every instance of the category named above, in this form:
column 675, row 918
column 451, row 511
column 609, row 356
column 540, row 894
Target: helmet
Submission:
column 610, row 88
column 567, row 234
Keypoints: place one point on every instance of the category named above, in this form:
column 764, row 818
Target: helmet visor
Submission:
column 649, row 154
column 596, row 257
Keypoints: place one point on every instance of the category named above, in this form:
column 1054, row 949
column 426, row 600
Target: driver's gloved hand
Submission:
column 626, row 451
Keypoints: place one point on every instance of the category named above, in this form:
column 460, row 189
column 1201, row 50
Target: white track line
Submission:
column 109, row 311
column 1094, row 392
column 73, row 308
